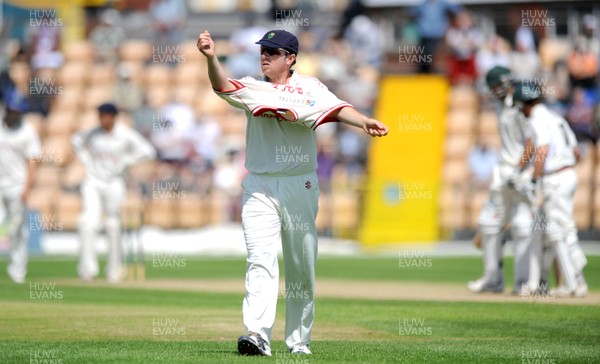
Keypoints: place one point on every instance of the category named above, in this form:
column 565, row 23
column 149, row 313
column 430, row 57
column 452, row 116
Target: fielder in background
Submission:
column 106, row 152
column 19, row 152
column 280, row 192
column 511, row 193
column 556, row 153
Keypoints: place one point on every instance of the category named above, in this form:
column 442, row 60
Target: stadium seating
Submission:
column 68, row 208
column 81, row 51
column 191, row 211
column 85, row 84
column 60, row 123
column 135, row 51
column 344, row 212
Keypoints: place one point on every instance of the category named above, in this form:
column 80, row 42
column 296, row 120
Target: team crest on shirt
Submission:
column 308, row 185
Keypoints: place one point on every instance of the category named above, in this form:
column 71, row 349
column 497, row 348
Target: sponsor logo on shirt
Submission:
column 297, row 101
column 288, row 88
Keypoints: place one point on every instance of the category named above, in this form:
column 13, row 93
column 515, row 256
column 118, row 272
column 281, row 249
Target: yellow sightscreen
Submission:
column 404, row 170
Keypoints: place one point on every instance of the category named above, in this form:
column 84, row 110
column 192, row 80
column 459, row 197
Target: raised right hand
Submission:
column 206, row 45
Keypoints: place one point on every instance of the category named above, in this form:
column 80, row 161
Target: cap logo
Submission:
column 270, row 35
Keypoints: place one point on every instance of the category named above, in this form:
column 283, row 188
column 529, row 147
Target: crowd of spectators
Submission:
column 194, row 149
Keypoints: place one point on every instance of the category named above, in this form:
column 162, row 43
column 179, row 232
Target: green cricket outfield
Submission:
column 369, row 310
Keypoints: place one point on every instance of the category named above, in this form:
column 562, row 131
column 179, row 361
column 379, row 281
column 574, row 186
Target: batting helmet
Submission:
column 497, row 76
column 526, row 93
column 499, row 79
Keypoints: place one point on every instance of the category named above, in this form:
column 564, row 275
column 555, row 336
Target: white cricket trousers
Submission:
column 99, row 197
column 280, row 210
column 558, row 227
column 505, row 205
column 15, row 211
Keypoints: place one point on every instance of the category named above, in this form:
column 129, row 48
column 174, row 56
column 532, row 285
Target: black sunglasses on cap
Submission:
column 272, row 51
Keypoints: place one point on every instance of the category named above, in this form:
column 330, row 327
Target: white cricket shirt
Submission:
column 17, row 147
column 106, row 155
column 551, row 129
column 280, row 137
column 514, row 131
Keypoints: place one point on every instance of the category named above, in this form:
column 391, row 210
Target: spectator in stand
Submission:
column 44, row 47
column 168, row 17
column 309, row 63
column 560, row 85
column 366, row 40
column 524, row 60
column 352, row 149
column 170, row 134
column 204, row 136
column 583, row 67
column 580, row 114
column 463, row 39
column 126, row 94
column 243, row 61
column 432, row 22
column 107, row 37
column 332, row 68
column 360, row 88
column 589, row 37
column 6, row 85
column 42, row 91
column 144, row 118
column 325, row 165
column 496, row 52
column 482, row 160
column 228, row 179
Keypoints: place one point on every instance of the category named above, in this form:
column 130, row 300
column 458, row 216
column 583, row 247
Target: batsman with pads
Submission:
column 280, row 198
column 510, row 198
column 556, row 153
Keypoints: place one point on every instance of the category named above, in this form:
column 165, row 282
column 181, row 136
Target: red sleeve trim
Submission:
column 325, row 118
column 238, row 86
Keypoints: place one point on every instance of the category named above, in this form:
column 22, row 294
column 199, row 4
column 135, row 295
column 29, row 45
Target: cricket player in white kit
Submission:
column 19, row 152
column 106, row 152
column 556, row 153
column 510, row 199
column 281, row 189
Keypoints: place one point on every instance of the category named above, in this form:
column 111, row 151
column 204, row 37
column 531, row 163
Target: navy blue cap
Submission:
column 280, row 39
column 108, row 108
column 16, row 101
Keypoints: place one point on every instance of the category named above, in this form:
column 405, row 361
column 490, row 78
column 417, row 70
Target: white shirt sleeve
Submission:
column 78, row 142
column 308, row 103
column 241, row 97
column 139, row 149
column 33, row 148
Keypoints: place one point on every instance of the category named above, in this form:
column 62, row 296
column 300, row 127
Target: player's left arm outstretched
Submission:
column 350, row 116
column 140, row 150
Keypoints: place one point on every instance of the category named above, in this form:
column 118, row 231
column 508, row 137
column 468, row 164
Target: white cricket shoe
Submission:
column 301, row 349
column 17, row 279
column 561, row 292
column 483, row 285
column 581, row 291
